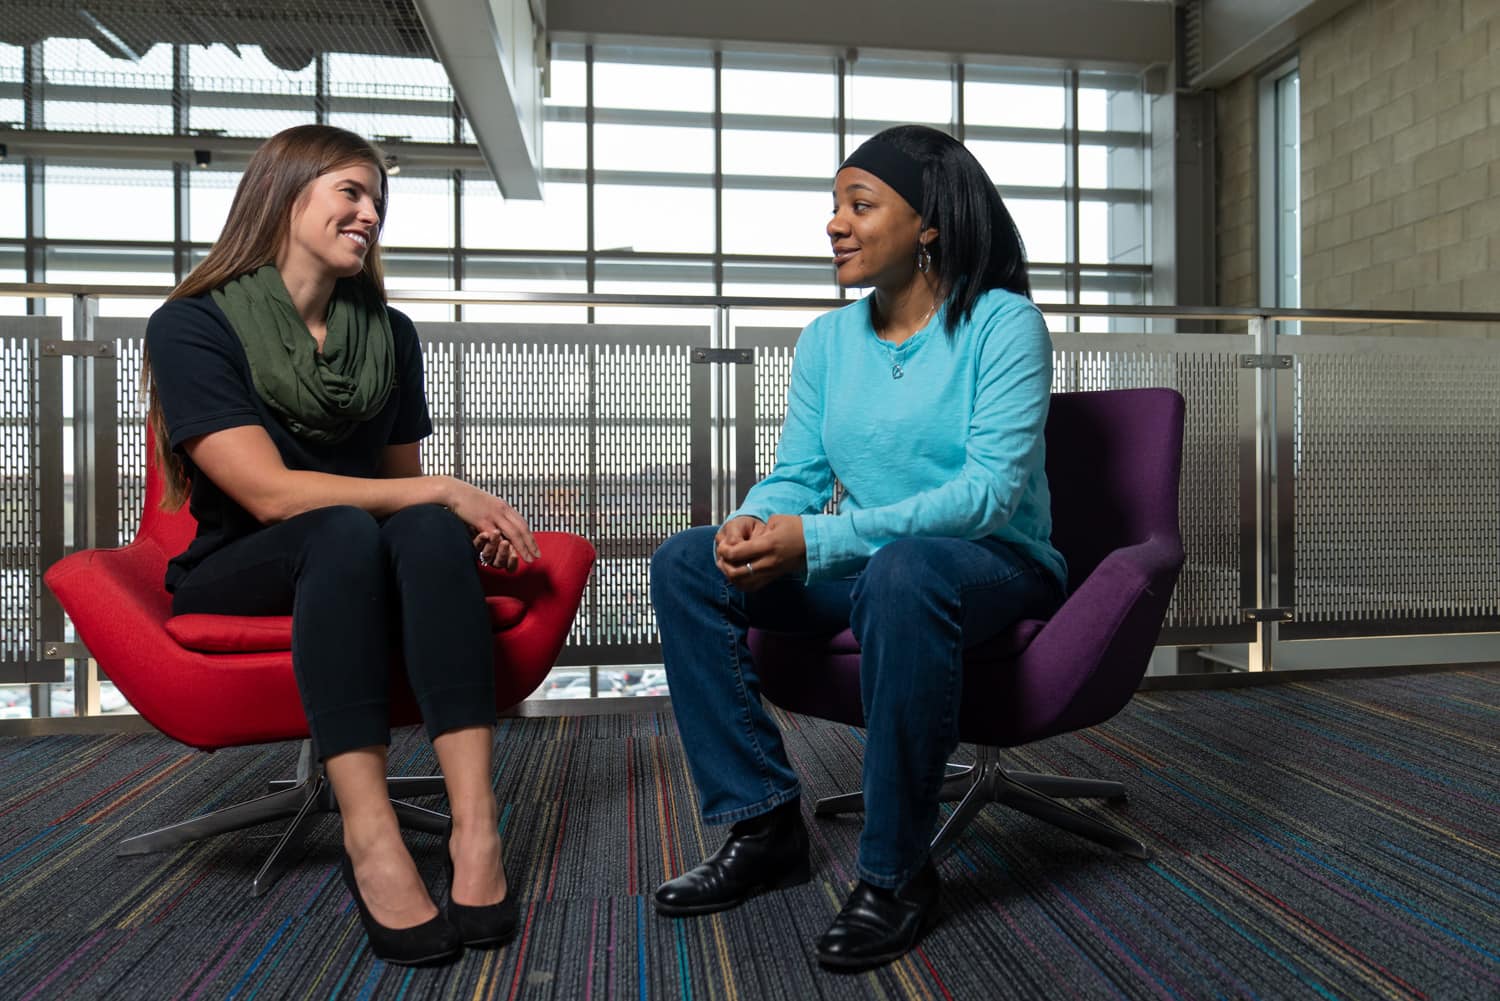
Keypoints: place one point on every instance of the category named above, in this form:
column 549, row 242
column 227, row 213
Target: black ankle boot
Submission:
column 433, row 941
column 479, row 925
column 878, row 925
column 767, row 852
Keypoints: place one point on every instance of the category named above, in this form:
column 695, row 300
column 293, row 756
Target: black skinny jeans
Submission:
column 354, row 585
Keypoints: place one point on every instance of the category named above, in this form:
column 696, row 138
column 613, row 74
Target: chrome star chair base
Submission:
column 303, row 799
column 1041, row 796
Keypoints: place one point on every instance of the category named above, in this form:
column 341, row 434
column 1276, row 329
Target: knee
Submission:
column 428, row 531
column 682, row 557
column 901, row 572
column 345, row 532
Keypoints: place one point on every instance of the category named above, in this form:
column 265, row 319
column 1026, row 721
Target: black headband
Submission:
column 893, row 166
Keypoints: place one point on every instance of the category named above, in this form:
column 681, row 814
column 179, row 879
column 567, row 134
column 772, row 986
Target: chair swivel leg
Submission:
column 1028, row 800
column 277, row 805
column 955, row 786
column 1068, row 787
column 319, row 800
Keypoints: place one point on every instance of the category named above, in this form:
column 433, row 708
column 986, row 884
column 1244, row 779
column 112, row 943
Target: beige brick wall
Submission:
column 1234, row 135
column 1400, row 160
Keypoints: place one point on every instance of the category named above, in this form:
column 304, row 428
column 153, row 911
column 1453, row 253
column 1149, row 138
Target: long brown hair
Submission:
column 259, row 219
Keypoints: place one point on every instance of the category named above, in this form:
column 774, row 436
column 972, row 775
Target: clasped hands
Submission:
column 501, row 535
column 752, row 553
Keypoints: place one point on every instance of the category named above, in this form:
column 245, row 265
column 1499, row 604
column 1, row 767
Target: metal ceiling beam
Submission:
column 1092, row 32
column 228, row 151
column 488, row 49
column 1237, row 36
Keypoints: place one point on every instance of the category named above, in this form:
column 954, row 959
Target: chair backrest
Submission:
column 1114, row 459
column 171, row 530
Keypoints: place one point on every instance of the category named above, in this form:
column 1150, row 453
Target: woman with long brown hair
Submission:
column 287, row 403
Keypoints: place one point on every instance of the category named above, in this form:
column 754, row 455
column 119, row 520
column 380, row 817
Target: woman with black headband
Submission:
column 926, row 400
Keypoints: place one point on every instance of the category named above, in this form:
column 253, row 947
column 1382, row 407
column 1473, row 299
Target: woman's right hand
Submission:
column 732, row 533
column 496, row 525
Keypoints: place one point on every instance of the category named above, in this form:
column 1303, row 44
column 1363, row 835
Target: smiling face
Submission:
column 874, row 232
column 334, row 224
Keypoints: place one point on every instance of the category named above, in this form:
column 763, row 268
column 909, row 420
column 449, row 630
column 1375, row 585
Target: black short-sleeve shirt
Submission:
column 203, row 383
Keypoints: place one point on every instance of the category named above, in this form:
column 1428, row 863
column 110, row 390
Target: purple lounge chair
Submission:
column 1113, row 463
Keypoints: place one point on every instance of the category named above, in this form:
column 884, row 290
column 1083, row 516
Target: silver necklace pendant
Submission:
column 896, row 372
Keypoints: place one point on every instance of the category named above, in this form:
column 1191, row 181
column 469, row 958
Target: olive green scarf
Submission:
column 321, row 396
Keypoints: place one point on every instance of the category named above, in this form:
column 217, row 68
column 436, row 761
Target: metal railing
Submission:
column 1334, row 485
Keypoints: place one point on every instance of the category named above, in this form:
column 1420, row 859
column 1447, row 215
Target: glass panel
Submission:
column 219, row 68
column 560, row 222
column 123, row 266
column 568, row 80
column 781, row 279
column 220, row 81
column 210, row 193
column 419, row 272
column 251, row 122
column 678, row 220
column 780, row 92
column 1022, row 163
column 380, row 127
column 510, row 274
column 565, row 145
column 1044, row 227
column 653, row 148
column 12, row 59
column 645, row 277
column 420, row 213
column 654, row 88
column 780, row 154
column 12, row 199
column 1015, row 105
column 1093, row 232
column 789, row 223
column 900, row 92
column 81, row 62
column 354, row 74
column 1110, row 103
column 1289, row 197
column 79, row 74
column 105, row 203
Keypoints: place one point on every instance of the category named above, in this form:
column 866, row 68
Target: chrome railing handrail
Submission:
column 510, row 298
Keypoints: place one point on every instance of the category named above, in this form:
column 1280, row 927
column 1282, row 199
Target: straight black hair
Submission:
column 978, row 246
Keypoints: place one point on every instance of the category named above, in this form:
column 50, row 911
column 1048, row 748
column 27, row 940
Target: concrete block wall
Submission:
column 1235, row 109
column 1400, row 160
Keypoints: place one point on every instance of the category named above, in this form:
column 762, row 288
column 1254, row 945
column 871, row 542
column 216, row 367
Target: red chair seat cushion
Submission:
column 268, row 633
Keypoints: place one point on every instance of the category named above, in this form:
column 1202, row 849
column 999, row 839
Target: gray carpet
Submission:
column 1337, row 840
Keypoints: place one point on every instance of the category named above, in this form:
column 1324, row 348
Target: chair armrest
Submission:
column 552, row 588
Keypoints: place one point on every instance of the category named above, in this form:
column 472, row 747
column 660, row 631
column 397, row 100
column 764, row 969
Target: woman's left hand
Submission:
column 495, row 551
column 778, row 550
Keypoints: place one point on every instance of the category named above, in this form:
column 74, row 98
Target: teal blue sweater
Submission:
column 952, row 449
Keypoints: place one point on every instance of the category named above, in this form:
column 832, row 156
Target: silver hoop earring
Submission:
column 924, row 258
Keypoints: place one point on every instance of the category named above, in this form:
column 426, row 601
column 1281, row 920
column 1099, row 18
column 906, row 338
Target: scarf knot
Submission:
column 320, row 396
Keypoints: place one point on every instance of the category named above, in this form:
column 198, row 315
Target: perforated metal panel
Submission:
column 31, row 519
column 1203, row 368
column 1397, row 480
column 774, row 347
column 586, row 429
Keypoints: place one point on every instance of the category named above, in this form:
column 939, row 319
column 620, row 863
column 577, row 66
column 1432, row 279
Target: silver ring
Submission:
column 484, row 560
column 749, row 567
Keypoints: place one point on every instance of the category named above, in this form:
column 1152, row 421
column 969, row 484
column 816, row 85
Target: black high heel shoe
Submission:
column 434, row 941
column 483, row 926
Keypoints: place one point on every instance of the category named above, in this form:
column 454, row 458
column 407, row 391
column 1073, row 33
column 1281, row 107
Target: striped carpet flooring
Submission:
column 1338, row 839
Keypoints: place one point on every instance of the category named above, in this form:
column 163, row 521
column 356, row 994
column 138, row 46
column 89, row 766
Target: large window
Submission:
column 667, row 170
column 1280, row 189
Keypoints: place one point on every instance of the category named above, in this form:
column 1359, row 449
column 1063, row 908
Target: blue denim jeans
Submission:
column 914, row 608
